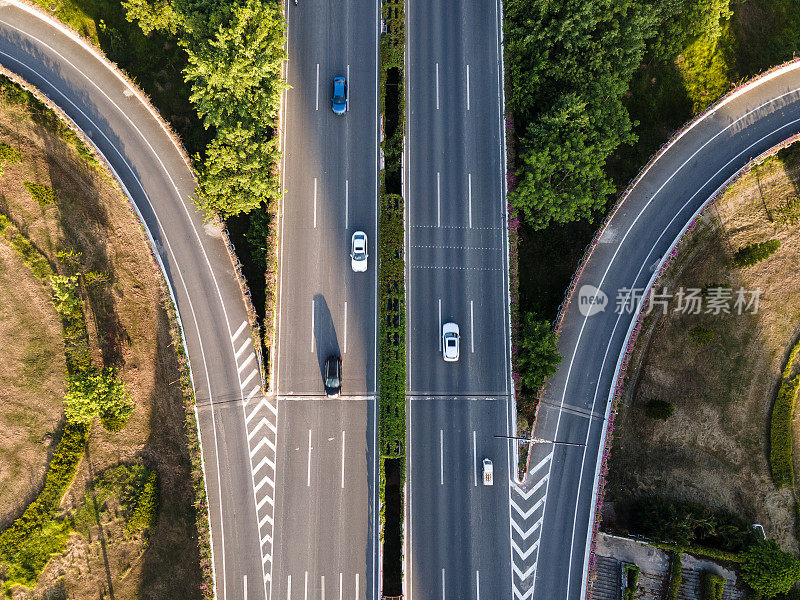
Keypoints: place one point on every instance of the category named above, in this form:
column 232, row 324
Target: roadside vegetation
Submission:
column 612, row 81
column 100, row 489
column 391, row 300
column 694, row 477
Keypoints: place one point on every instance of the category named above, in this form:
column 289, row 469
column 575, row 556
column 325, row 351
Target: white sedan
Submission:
column 450, row 341
column 358, row 252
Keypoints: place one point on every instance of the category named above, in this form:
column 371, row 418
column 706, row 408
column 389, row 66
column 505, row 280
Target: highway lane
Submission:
column 560, row 481
column 458, row 532
column 152, row 171
column 325, row 518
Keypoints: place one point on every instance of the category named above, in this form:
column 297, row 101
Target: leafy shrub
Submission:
column 659, row 409
column 60, row 473
column 41, row 193
column 686, row 524
column 8, row 155
column 770, row 570
column 780, row 433
column 712, row 586
column 752, row 254
column 140, row 499
column 537, row 356
column 701, row 336
column 92, row 392
column 391, row 327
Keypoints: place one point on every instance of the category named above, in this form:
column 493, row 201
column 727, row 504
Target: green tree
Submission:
column 570, row 62
column 538, row 356
column 770, row 570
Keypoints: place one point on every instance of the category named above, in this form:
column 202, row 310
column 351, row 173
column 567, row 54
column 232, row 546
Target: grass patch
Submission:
column 41, row 193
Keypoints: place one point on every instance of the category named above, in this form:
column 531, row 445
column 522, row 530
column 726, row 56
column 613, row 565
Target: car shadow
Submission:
column 325, row 338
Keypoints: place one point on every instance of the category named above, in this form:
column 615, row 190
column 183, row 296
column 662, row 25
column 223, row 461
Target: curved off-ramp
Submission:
column 236, row 422
column 553, row 512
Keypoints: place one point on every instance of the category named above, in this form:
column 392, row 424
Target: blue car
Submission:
column 339, row 99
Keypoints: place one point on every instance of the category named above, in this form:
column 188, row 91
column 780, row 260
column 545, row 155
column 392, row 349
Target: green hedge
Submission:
column 752, row 254
column 632, row 578
column 780, row 450
column 391, row 328
column 712, row 586
column 675, row 575
column 141, row 500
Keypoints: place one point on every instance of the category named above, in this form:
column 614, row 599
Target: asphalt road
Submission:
column 458, row 529
column 560, row 482
column 197, row 267
column 325, row 511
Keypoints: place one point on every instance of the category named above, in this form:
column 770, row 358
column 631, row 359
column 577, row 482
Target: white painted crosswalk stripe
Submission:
column 239, row 331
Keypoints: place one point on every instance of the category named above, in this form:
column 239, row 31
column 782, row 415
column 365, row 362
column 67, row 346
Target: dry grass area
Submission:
column 31, row 383
column 714, row 449
column 128, row 329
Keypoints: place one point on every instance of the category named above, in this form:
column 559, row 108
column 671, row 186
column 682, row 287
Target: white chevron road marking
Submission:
column 255, row 410
column 542, row 463
column 239, row 331
column 526, row 534
column 267, row 518
column 253, row 373
column 530, row 511
column 525, row 495
column 263, row 481
column 523, row 575
column 521, row 596
column 250, row 358
column 264, row 461
column 264, row 500
column 242, row 348
column 252, row 393
column 528, row 552
column 258, row 426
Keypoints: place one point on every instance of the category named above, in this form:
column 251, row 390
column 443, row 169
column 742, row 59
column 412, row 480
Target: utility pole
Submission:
column 537, row 440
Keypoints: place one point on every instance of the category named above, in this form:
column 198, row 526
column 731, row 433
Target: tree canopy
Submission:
column 770, row 570
column 235, row 55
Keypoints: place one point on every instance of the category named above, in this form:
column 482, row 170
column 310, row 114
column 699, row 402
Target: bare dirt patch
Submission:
column 714, row 449
column 129, row 329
